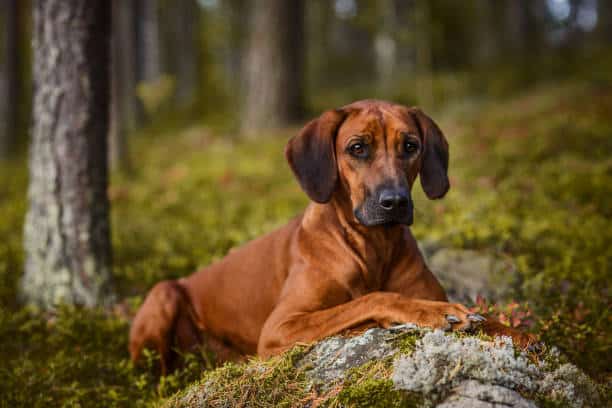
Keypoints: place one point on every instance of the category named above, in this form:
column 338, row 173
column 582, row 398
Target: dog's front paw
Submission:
column 435, row 315
column 457, row 317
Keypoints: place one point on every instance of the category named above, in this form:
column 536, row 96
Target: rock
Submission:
column 331, row 358
column 473, row 394
column 441, row 362
column 412, row 367
column 465, row 273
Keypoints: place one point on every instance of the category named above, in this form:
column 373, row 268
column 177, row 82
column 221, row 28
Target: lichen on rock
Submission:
column 404, row 367
column 474, row 394
column 332, row 358
column 441, row 362
column 445, row 366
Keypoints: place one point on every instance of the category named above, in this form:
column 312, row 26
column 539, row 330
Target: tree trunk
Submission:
column 124, row 104
column 320, row 21
column 274, row 65
column 423, row 60
column 604, row 24
column 486, row 32
column 147, row 22
column 235, row 12
column 385, row 48
column 67, row 232
column 187, row 50
column 9, row 76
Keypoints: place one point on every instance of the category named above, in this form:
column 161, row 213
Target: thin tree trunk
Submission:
column 67, row 232
column 424, row 58
column 486, row 32
column 187, row 49
column 235, row 12
column 320, row 20
column 604, row 24
column 385, row 48
column 9, row 76
column 147, row 20
column 274, row 65
column 123, row 85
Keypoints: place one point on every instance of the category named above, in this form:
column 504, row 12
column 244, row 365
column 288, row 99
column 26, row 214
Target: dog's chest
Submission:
column 370, row 269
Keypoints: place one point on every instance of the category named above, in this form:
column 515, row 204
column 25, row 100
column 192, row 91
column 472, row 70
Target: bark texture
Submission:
column 9, row 76
column 147, row 23
column 274, row 67
column 67, row 233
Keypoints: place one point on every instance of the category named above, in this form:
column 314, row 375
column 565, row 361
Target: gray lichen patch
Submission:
column 441, row 364
column 473, row 394
column 331, row 358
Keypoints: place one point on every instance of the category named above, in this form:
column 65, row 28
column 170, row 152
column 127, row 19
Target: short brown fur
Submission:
column 324, row 272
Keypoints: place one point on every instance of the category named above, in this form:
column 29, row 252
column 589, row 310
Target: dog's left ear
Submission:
column 312, row 157
column 434, row 168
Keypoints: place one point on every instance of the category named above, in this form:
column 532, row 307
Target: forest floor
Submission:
column 531, row 179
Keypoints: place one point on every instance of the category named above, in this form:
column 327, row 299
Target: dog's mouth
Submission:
column 372, row 216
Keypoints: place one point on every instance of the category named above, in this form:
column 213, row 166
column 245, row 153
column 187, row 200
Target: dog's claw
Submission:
column 452, row 319
column 476, row 318
column 402, row 327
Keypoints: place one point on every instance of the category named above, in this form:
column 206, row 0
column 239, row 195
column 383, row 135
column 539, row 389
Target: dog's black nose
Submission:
column 392, row 199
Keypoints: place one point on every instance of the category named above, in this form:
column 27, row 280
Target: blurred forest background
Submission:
column 273, row 63
column 195, row 100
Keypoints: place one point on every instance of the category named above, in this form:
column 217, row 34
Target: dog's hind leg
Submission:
column 164, row 321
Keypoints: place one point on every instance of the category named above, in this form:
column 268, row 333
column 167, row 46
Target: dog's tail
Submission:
column 164, row 321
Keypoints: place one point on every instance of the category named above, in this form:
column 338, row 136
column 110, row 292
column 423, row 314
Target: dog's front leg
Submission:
column 288, row 324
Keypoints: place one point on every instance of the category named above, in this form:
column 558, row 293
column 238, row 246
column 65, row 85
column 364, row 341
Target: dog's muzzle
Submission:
column 387, row 206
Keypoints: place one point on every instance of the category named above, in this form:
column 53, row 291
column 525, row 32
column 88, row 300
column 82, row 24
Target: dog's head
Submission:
column 371, row 152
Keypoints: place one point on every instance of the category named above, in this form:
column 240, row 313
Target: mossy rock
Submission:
column 401, row 367
column 466, row 274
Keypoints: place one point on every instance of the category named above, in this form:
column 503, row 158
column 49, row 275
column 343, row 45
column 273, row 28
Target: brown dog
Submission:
column 349, row 260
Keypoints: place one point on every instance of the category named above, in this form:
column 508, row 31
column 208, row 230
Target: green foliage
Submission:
column 12, row 209
column 173, row 216
column 76, row 357
column 155, row 94
column 530, row 178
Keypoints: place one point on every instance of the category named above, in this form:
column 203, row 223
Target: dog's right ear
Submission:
column 312, row 157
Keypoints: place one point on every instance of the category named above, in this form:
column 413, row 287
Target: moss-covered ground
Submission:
column 531, row 178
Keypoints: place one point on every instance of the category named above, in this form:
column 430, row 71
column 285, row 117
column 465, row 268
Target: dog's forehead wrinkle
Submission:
column 363, row 122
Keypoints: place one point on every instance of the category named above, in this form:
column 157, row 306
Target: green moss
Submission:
column 374, row 393
column 406, row 342
column 272, row 383
column 75, row 357
column 370, row 385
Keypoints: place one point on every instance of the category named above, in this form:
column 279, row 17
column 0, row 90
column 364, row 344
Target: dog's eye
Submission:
column 358, row 149
column 410, row 147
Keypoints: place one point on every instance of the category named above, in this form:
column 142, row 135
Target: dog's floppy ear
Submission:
column 434, row 168
column 311, row 155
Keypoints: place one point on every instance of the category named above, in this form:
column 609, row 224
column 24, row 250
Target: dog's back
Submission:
column 234, row 296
